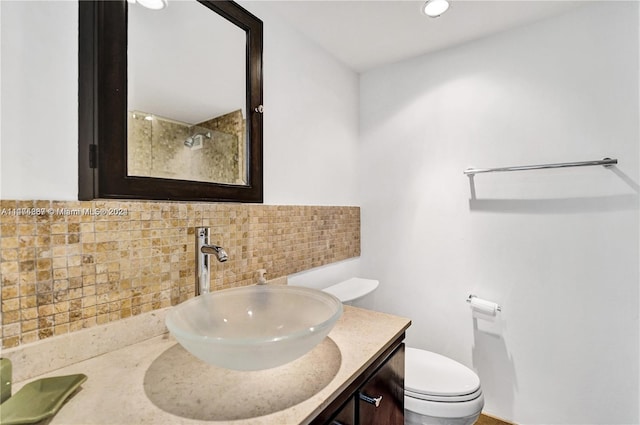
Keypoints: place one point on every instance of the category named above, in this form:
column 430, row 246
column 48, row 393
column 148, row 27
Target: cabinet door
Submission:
column 346, row 415
column 381, row 398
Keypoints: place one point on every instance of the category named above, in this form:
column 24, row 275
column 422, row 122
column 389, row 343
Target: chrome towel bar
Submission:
column 607, row 162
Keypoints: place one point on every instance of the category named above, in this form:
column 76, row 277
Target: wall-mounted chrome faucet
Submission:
column 203, row 265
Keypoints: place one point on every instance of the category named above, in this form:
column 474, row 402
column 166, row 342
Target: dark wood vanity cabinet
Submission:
column 376, row 397
column 381, row 399
column 347, row 414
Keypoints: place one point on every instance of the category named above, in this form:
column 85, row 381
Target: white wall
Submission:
column 310, row 123
column 311, row 119
column 39, row 134
column 558, row 249
column 310, row 130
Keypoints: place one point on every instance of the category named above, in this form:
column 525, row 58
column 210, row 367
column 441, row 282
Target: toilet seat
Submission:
column 433, row 377
column 446, row 399
column 421, row 409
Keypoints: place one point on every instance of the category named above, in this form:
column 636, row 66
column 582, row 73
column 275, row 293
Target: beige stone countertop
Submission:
column 157, row 382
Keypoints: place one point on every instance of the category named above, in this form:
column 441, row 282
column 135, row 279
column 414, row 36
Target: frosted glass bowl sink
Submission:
column 254, row 327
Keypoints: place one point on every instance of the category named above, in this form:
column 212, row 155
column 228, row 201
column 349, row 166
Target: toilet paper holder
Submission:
column 472, row 296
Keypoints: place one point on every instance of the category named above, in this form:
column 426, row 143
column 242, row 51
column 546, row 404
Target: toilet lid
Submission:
column 352, row 289
column 431, row 374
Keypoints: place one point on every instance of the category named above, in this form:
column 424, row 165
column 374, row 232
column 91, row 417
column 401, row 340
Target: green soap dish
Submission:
column 39, row 399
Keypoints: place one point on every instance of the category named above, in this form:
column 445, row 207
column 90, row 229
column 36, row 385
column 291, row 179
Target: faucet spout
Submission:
column 203, row 265
column 216, row 250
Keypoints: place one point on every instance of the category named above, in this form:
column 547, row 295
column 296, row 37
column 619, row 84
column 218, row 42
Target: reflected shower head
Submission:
column 197, row 139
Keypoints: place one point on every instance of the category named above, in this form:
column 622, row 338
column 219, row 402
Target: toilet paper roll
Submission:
column 484, row 306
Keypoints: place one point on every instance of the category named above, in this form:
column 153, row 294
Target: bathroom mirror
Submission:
column 170, row 101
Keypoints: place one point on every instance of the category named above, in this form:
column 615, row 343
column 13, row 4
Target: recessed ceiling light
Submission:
column 153, row 4
column 435, row 8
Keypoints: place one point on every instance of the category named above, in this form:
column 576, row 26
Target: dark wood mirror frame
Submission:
column 102, row 113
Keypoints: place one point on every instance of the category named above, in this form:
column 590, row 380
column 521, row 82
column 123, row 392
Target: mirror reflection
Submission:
column 186, row 95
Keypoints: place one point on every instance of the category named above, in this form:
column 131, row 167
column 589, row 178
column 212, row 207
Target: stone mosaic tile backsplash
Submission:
column 68, row 265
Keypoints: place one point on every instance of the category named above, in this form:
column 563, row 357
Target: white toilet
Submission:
column 438, row 390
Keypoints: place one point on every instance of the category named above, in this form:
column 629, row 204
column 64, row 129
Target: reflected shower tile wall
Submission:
column 233, row 156
column 157, row 148
column 71, row 265
column 169, row 156
column 139, row 155
column 221, row 149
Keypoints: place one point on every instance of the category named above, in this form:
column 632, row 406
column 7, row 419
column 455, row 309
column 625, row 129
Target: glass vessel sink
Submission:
column 254, row 327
